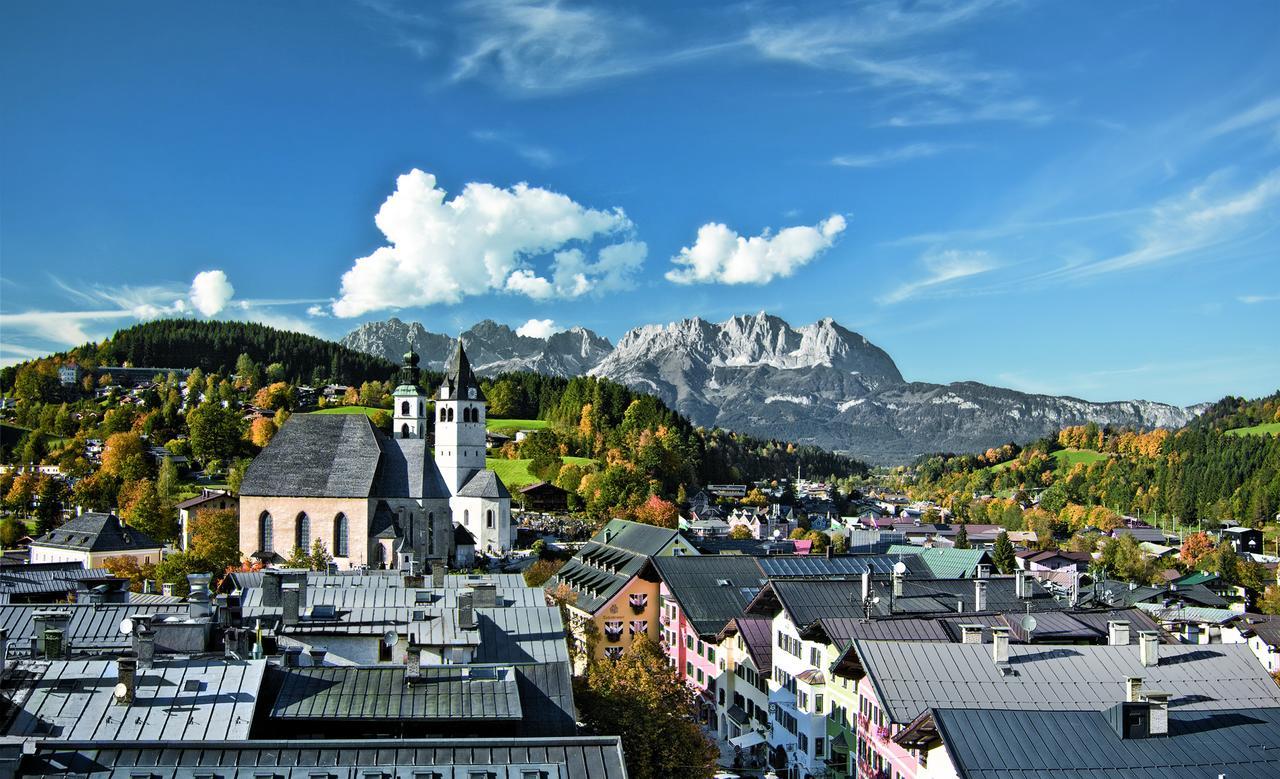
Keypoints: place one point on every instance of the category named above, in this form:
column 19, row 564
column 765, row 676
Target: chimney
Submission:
column 866, row 585
column 144, row 640
column 971, row 634
column 45, row 620
column 466, row 610
column 999, row 644
column 199, row 602
column 127, row 672
column 53, row 646
column 4, row 649
column 413, row 664
column 318, row 654
column 167, row 589
column 437, row 574
column 1019, row 585
column 290, row 603
column 979, row 594
column 271, row 589
column 897, row 584
column 1158, row 714
column 1118, row 632
column 1133, row 689
column 1149, row 647
column 290, row 656
column 486, row 595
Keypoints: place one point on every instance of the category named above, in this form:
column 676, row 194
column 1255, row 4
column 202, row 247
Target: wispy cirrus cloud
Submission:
column 943, row 269
column 890, row 156
column 1253, row 300
column 1265, row 113
column 540, row 156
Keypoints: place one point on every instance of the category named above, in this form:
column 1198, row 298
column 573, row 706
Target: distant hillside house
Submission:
column 375, row 500
column 89, row 539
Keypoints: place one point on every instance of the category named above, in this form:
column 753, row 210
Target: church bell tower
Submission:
column 460, row 431
column 409, row 418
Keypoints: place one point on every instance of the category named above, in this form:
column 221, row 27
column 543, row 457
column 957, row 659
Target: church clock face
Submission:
column 471, row 393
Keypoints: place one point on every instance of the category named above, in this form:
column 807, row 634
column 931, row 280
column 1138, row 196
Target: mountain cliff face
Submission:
column 492, row 347
column 819, row 384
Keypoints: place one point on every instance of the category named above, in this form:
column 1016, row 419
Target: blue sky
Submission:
column 1076, row 198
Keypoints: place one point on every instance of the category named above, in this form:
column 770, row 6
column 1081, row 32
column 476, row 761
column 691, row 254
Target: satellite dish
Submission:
column 122, row 690
column 390, row 638
column 1029, row 624
column 126, row 626
column 899, row 567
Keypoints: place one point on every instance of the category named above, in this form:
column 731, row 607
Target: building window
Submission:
column 488, row 518
column 817, row 703
column 431, row 532
column 404, row 430
column 450, row 413
column 404, row 408
column 340, row 536
column 466, row 516
column 265, row 541
column 303, row 539
column 441, row 413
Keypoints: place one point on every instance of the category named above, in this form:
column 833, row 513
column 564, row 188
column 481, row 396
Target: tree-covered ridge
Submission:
column 1195, row 475
column 1232, row 412
column 215, row 347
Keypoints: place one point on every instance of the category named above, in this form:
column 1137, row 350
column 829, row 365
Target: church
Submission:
column 378, row 500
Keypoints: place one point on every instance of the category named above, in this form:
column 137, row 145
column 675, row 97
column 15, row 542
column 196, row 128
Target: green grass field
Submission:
column 512, row 425
column 1066, row 458
column 1269, row 428
column 515, row 473
column 366, row 410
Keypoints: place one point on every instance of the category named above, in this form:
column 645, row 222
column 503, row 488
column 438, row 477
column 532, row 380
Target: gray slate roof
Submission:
column 598, row 757
column 485, row 484
column 459, row 377
column 1017, row 744
column 94, row 532
column 382, row 693
column 92, row 628
column 910, row 677
column 711, row 589
column 175, row 700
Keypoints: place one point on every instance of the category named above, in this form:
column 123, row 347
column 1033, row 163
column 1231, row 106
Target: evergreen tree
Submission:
column 962, row 538
column 1002, row 554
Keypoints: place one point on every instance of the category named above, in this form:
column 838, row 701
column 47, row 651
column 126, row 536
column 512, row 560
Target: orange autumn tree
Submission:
column 656, row 511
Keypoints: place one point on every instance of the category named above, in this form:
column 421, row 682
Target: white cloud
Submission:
column 484, row 240
column 210, row 292
column 1255, row 299
column 532, row 153
column 911, row 151
column 721, row 255
column 537, row 328
column 1265, row 113
column 317, row 310
column 944, row 267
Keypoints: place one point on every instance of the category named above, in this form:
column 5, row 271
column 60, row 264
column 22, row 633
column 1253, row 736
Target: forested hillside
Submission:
column 1199, row 474
column 1232, row 413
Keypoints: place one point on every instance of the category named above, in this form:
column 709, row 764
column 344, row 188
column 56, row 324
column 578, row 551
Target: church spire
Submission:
column 459, row 381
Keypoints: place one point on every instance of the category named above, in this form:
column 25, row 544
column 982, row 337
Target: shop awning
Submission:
column 747, row 740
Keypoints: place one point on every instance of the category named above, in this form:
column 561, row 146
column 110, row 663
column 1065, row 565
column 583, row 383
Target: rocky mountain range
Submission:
column 820, row 384
column 493, row 348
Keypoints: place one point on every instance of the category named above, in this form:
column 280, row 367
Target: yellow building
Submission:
column 611, row 591
column 91, row 538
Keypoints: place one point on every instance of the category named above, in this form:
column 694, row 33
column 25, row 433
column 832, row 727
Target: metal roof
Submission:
column 92, row 627
column 613, row 556
column 1203, row 614
column 1019, row 744
column 910, row 677
column 457, row 692
column 813, row 566
column 945, row 563
column 711, row 589
column 247, row 580
column 27, row 580
column 598, row 757
column 175, row 699
column 757, row 635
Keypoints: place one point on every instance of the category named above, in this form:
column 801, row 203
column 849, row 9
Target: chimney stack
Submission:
column 290, row 603
column 166, row 589
column 1157, row 713
column 271, row 589
column 971, row 634
column 4, row 649
column 127, row 673
column 979, row 594
column 1149, row 647
column 199, row 601
column 466, row 610
column 144, row 640
column 437, row 574
column 1133, row 689
column 1118, row 632
column 318, row 654
column 486, row 595
column 1000, row 644
column 897, row 584
column 1019, row 585
column 866, row 585
column 413, row 664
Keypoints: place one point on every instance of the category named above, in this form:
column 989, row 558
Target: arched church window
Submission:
column 442, row 414
column 340, row 529
column 431, row 532
column 488, row 518
column 450, row 415
column 379, row 556
column 265, row 542
column 404, row 408
column 421, row 409
column 466, row 516
column 404, row 430
column 304, row 532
